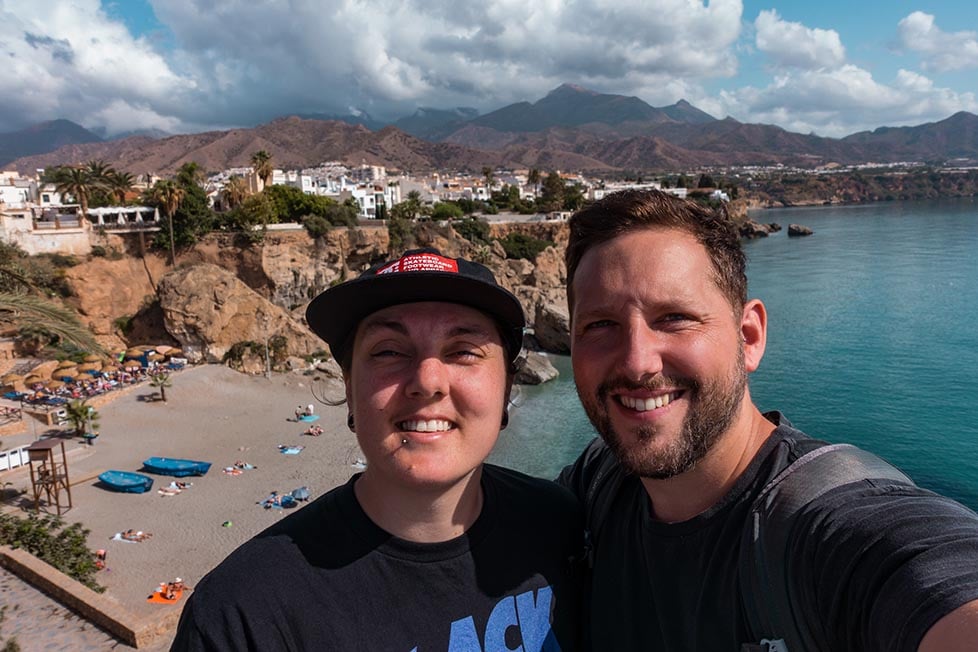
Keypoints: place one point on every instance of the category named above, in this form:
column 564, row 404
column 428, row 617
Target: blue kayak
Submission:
column 175, row 467
column 126, row 481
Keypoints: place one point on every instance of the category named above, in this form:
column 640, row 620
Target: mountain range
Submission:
column 571, row 128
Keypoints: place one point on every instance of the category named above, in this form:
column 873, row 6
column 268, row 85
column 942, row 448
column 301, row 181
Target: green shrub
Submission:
column 446, row 210
column 98, row 251
column 401, row 233
column 474, row 230
column 238, row 350
column 316, row 226
column 519, row 245
column 47, row 538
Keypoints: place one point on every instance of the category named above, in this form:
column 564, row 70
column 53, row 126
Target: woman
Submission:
column 429, row 548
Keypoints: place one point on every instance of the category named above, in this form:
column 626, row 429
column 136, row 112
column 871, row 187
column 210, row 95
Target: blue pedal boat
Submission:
column 175, row 467
column 126, row 481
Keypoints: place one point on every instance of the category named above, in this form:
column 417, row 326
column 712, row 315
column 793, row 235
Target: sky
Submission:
column 830, row 67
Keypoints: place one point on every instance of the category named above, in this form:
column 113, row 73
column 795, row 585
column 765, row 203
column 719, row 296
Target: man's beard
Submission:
column 712, row 409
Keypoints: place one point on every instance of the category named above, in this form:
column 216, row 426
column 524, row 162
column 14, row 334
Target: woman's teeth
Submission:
column 435, row 425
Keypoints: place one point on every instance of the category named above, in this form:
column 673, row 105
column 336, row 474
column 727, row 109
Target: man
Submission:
column 662, row 340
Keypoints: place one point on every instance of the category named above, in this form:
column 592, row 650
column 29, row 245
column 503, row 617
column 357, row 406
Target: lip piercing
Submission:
column 404, row 441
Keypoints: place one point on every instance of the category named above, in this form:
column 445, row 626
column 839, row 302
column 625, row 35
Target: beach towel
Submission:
column 290, row 450
column 309, row 417
column 118, row 536
column 157, row 597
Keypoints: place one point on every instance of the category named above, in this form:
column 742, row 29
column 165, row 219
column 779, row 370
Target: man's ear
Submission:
column 753, row 333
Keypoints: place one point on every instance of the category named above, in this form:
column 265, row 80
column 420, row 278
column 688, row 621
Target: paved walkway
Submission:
column 38, row 623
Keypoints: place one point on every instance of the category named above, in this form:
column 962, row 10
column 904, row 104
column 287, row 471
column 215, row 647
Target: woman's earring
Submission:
column 349, row 422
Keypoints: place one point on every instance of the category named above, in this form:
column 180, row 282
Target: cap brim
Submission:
column 335, row 313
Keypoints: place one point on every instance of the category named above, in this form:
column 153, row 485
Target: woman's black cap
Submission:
column 418, row 275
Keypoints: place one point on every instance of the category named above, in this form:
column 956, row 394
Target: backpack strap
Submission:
column 765, row 571
column 601, row 492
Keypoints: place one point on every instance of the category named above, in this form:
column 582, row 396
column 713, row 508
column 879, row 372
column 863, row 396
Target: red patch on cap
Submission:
column 421, row 263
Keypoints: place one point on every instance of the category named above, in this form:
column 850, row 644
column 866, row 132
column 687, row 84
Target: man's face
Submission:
column 657, row 350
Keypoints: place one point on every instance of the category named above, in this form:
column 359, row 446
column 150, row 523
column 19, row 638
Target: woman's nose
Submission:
column 430, row 378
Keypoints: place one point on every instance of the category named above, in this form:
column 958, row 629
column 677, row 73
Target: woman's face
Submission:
column 427, row 387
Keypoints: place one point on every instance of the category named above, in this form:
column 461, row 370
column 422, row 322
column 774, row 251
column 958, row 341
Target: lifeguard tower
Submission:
column 48, row 475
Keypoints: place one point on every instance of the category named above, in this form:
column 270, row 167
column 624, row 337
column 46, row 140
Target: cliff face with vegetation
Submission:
column 869, row 186
column 224, row 292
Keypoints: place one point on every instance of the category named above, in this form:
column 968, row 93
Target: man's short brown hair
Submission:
column 633, row 210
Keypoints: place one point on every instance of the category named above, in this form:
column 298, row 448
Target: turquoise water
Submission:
column 872, row 340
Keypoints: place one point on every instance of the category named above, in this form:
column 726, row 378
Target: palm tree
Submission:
column 82, row 417
column 28, row 312
column 78, row 183
column 490, row 178
column 261, row 163
column 235, row 190
column 161, row 380
column 168, row 195
column 190, row 173
column 534, row 178
column 119, row 184
column 99, row 171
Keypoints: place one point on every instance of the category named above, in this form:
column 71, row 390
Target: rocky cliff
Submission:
column 223, row 292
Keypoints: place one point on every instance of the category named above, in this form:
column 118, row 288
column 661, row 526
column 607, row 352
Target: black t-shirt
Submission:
column 875, row 564
column 328, row 578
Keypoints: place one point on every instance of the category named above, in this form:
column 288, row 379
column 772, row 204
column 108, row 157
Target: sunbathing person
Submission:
column 132, row 535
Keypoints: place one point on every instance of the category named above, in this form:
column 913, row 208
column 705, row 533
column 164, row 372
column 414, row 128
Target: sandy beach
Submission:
column 211, row 414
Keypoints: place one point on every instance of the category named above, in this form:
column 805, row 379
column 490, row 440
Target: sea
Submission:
column 872, row 340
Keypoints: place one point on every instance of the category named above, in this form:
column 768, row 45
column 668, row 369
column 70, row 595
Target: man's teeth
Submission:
column 646, row 404
column 435, row 425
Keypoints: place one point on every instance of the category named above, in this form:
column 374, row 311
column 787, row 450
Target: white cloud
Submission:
column 794, row 45
column 240, row 62
column 942, row 51
column 389, row 57
column 845, row 100
column 67, row 59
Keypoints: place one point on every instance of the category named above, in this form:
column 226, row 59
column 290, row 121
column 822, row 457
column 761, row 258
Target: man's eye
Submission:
column 675, row 317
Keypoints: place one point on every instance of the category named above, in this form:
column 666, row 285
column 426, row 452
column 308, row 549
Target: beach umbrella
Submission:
column 70, row 372
column 164, row 349
column 134, row 353
column 91, row 357
column 90, row 366
column 133, row 365
column 175, row 353
column 10, row 379
column 32, row 379
column 65, row 364
column 154, row 357
column 54, row 384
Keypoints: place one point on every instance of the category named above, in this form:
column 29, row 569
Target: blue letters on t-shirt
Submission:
column 529, row 613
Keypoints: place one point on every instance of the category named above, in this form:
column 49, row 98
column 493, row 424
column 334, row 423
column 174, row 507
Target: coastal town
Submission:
column 46, row 217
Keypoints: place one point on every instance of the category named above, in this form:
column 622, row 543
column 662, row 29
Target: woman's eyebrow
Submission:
column 380, row 324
